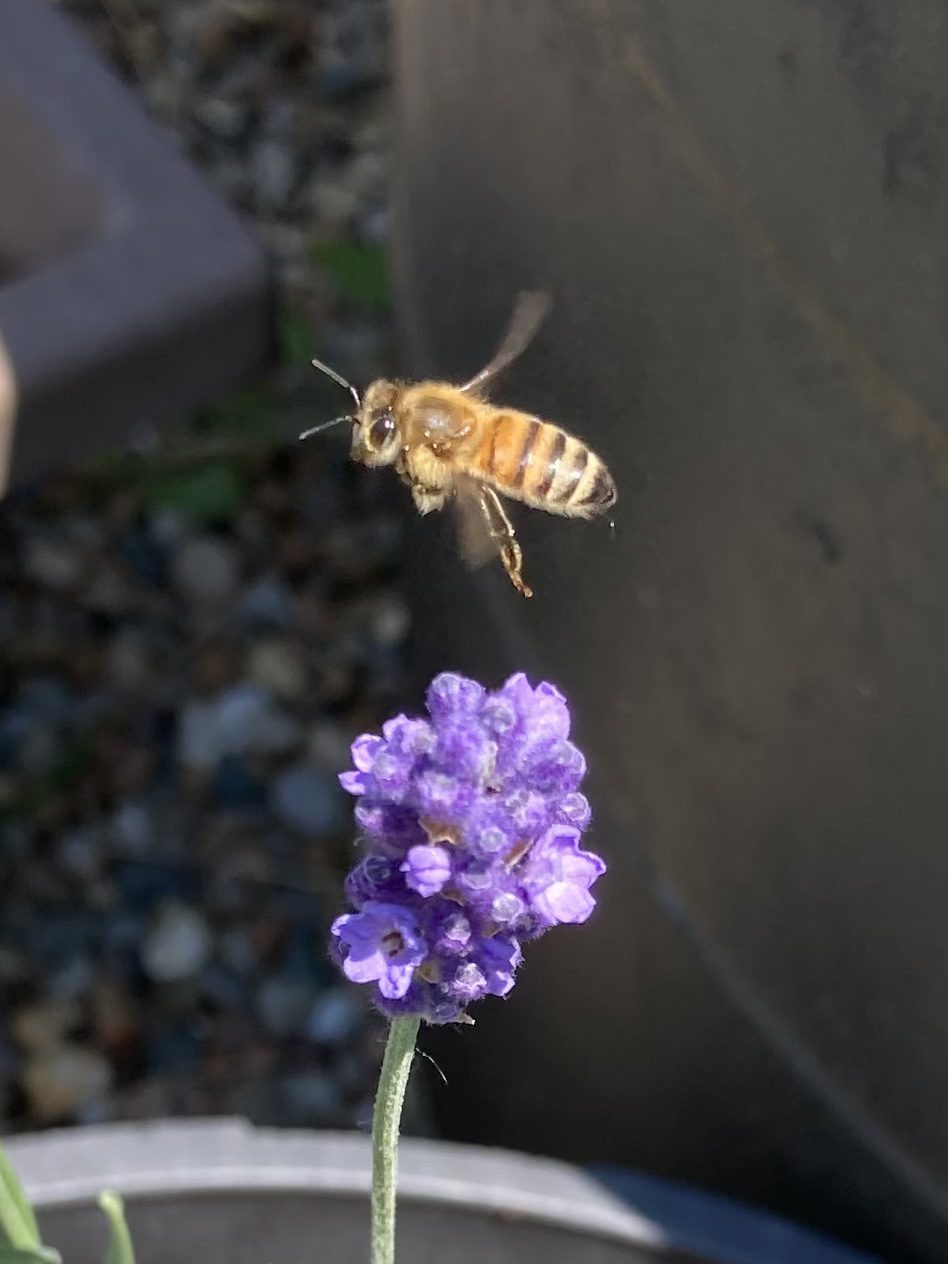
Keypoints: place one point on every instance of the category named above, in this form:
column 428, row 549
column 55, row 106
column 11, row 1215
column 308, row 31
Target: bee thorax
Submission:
column 440, row 421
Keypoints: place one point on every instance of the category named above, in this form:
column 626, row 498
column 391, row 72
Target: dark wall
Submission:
column 739, row 210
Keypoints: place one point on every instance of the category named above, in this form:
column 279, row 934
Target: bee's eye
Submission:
column 381, row 428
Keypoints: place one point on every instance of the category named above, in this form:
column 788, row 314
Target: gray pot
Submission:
column 223, row 1192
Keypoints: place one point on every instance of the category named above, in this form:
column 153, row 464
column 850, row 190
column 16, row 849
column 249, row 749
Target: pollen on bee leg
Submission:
column 512, row 557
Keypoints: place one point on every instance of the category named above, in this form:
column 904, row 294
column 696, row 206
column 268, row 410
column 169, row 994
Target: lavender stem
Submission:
column 393, row 1080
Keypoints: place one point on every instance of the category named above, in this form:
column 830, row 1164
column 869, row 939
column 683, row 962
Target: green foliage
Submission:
column 359, row 272
column 297, row 344
column 29, row 1255
column 17, row 1222
column 120, row 1240
column 19, row 1228
column 204, row 495
column 249, row 413
column 34, row 793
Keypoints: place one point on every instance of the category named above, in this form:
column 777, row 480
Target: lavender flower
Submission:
column 472, row 821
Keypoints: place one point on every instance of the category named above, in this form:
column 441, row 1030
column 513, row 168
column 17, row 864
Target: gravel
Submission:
column 190, row 638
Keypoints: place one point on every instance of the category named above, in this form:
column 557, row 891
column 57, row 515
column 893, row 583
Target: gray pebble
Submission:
column 198, row 740
column 177, row 945
column 222, row 987
column 108, row 590
column 267, row 603
column 247, row 719
column 238, row 720
column 39, row 752
column 167, row 528
column 390, row 621
column 284, row 1005
column 47, row 699
column 328, row 747
column 375, row 226
column 336, row 1017
column 332, row 201
column 308, row 800
column 240, row 713
column 129, row 663
column 132, row 827
column 274, row 173
column 74, row 979
column 60, row 1081
column 43, row 1024
column 53, row 562
column 79, row 852
column 238, row 952
column 223, row 116
column 311, row 1097
column 206, row 570
column 279, row 668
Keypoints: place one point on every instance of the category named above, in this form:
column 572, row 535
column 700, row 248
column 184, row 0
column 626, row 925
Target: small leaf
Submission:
column 360, row 272
column 297, row 345
column 212, row 493
column 249, row 412
column 120, row 1240
column 16, row 1214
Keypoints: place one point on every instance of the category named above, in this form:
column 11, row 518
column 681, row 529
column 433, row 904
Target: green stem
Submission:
column 120, row 1240
column 399, row 1051
column 17, row 1221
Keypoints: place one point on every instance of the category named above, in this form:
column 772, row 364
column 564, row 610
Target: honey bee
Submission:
column 448, row 443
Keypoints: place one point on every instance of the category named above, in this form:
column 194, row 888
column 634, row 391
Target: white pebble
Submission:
column 206, row 570
column 307, row 800
column 177, row 946
column 278, row 668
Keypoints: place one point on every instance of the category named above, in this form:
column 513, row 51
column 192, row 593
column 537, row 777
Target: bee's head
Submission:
column 375, row 436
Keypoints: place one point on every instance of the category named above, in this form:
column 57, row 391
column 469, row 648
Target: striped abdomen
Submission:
column 540, row 464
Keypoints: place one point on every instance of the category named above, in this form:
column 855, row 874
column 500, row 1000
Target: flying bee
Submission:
column 449, row 443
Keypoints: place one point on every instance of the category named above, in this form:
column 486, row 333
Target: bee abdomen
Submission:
column 585, row 487
column 544, row 466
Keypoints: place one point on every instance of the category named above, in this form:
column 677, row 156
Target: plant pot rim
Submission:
column 186, row 1158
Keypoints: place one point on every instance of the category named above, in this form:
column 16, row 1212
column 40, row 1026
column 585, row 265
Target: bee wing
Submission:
column 528, row 313
column 475, row 539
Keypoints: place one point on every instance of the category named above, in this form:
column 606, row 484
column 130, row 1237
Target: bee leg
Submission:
column 501, row 529
column 427, row 499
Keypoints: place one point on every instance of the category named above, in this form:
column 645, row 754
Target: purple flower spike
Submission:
column 385, row 946
column 471, row 821
column 427, row 869
column 499, row 960
column 559, row 874
column 452, row 695
column 364, row 749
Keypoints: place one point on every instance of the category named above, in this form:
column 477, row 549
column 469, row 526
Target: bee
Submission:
column 448, row 443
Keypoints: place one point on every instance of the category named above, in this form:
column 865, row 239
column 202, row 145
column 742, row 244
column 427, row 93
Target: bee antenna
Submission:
column 308, row 434
column 337, row 377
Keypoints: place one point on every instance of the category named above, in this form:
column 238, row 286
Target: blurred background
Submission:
column 739, row 213
column 195, row 624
